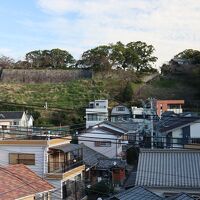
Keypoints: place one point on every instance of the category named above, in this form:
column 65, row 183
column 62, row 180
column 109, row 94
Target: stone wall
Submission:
column 42, row 76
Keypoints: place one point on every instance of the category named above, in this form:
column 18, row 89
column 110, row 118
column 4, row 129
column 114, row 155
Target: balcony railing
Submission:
column 62, row 167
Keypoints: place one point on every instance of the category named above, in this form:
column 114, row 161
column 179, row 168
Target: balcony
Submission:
column 62, row 167
column 64, row 160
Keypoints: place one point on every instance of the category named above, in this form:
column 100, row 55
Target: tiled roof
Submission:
column 90, row 156
column 17, row 181
column 125, row 126
column 11, row 114
column 109, row 163
column 136, row 193
column 168, row 123
column 181, row 196
column 67, row 147
column 169, row 169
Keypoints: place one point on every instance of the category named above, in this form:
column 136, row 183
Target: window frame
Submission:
column 102, row 143
column 18, row 160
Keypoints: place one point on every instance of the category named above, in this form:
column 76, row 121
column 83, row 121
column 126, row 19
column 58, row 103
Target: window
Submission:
column 4, row 127
column 92, row 117
column 22, row 158
column 102, row 144
column 121, row 108
column 15, row 123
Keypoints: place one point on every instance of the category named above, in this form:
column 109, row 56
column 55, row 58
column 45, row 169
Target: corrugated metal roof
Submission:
column 169, row 168
column 136, row 193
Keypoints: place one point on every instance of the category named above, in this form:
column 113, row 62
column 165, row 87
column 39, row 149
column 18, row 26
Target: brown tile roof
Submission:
column 18, row 181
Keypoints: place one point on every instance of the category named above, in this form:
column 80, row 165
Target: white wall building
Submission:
column 97, row 112
column 139, row 114
column 103, row 140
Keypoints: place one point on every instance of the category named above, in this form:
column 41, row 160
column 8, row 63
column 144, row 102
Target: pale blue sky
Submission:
column 77, row 25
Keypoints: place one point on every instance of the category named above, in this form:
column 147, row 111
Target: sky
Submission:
column 171, row 26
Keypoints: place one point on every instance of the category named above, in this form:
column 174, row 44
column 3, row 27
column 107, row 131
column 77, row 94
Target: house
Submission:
column 12, row 120
column 120, row 113
column 99, row 167
column 111, row 169
column 175, row 131
column 96, row 113
column 168, row 172
column 55, row 159
column 103, row 139
column 20, row 183
column 169, row 105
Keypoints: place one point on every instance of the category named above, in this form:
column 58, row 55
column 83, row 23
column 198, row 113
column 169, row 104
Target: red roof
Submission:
column 17, row 181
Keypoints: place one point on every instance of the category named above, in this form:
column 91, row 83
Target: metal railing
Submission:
column 62, row 167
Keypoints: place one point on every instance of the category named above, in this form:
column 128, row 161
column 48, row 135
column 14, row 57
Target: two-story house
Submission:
column 55, row 159
column 97, row 112
column 104, row 139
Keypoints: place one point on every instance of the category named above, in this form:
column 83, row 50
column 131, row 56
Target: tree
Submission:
column 135, row 56
column 139, row 56
column 61, row 58
column 96, row 59
column 35, row 58
column 55, row 58
column 6, row 62
column 191, row 55
column 127, row 94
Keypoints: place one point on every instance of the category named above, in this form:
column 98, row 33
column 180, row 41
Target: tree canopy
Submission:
column 6, row 62
column 137, row 56
column 191, row 55
column 55, row 58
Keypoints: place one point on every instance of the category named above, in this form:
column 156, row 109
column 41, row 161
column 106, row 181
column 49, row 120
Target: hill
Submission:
column 67, row 101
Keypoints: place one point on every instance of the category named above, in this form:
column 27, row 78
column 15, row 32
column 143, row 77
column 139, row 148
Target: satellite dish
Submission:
column 114, row 163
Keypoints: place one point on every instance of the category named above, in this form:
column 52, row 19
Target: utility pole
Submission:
column 151, row 117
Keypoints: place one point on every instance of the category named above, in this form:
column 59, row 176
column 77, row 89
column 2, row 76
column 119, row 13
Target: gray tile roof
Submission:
column 109, row 163
column 169, row 169
column 11, row 114
column 136, row 193
column 170, row 122
column 90, row 156
column 181, row 196
column 67, row 147
column 123, row 125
